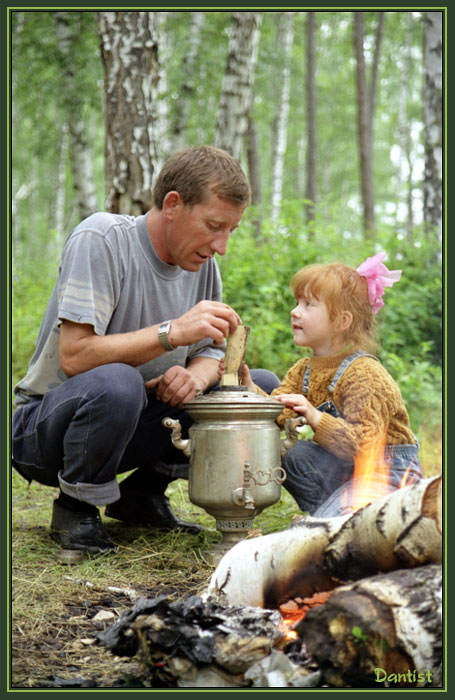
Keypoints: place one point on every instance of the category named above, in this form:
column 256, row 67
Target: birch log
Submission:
column 383, row 630
column 400, row 530
column 266, row 571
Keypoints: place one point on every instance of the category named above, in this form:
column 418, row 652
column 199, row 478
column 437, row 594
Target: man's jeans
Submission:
column 97, row 424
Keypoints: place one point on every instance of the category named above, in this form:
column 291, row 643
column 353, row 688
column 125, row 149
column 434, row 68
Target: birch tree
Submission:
column 237, row 88
column 432, row 109
column 310, row 193
column 187, row 85
column 405, row 173
column 130, row 58
column 366, row 98
column 162, row 130
column 67, row 28
column 287, row 22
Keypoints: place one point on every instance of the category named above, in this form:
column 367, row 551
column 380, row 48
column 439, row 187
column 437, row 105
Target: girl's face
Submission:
column 311, row 325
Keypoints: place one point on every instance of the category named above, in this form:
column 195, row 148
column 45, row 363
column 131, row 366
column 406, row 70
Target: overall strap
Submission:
column 342, row 367
column 306, row 380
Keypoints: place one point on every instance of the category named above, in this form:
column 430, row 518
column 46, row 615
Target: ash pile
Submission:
column 201, row 643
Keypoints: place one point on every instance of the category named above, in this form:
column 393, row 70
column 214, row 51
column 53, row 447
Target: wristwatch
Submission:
column 163, row 336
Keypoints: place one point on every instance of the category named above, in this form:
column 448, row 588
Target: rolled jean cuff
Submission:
column 95, row 494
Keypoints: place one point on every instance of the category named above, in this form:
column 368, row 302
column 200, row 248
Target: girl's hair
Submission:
column 341, row 288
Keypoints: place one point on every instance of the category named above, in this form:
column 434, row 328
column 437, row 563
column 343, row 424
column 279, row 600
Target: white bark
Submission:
column 405, row 165
column 237, row 88
column 398, row 621
column 130, row 58
column 283, row 113
column 162, row 137
column 364, row 127
column 79, row 148
column 187, row 84
column 264, row 571
column 432, row 107
column 58, row 203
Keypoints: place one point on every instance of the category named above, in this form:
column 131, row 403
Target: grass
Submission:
column 53, row 605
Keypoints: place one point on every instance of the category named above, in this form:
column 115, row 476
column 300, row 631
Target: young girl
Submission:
column 347, row 397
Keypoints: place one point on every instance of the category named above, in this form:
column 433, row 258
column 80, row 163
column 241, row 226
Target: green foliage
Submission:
column 30, row 295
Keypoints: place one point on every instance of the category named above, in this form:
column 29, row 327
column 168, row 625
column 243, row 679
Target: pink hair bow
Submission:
column 378, row 277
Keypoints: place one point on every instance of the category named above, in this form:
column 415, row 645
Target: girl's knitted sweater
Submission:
column 367, row 397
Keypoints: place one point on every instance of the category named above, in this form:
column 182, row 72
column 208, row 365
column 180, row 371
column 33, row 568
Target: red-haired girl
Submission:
column 351, row 402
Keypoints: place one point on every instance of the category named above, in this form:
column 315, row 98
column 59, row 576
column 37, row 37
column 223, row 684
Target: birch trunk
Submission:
column 130, row 58
column 187, row 85
column 254, row 171
column 237, row 88
column 387, row 628
column 287, row 21
column 57, row 214
column 310, row 193
column 162, row 131
column 432, row 109
column 364, row 127
column 406, row 166
column 402, row 529
column 66, row 31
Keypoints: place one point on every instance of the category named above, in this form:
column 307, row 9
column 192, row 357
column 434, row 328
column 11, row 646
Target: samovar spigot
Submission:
column 243, row 495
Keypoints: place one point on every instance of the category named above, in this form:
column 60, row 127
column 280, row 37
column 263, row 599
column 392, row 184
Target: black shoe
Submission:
column 149, row 509
column 79, row 531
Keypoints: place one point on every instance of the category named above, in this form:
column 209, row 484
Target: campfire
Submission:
column 353, row 600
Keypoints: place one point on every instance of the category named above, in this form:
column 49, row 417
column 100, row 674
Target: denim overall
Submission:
column 314, row 474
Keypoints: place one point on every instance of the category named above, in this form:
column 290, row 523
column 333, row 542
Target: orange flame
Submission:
column 371, row 478
column 295, row 610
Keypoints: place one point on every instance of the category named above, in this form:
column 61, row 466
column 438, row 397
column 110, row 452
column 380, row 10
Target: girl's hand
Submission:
column 299, row 404
column 221, row 369
column 246, row 379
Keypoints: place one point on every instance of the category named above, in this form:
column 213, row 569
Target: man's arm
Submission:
column 82, row 349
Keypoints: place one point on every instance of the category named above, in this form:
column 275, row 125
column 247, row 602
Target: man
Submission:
column 134, row 329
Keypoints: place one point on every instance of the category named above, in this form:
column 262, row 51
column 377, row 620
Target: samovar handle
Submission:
column 290, row 427
column 176, row 436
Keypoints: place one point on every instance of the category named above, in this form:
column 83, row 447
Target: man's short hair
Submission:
column 193, row 172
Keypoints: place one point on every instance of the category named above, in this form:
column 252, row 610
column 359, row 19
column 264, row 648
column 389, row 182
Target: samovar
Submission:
column 235, row 450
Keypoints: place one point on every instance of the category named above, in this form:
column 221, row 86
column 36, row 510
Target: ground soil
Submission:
column 67, row 653
column 55, row 608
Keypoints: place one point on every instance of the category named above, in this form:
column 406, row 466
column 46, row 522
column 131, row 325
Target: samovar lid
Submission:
column 234, row 396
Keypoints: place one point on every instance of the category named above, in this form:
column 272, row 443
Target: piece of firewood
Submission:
column 235, row 356
column 398, row 531
column 386, row 629
column 271, row 569
column 402, row 529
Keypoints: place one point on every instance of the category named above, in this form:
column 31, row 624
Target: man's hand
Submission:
column 208, row 319
column 176, row 386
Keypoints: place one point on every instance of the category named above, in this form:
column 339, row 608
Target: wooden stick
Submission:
column 235, row 356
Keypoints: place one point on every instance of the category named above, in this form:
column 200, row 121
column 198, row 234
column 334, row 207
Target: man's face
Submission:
column 195, row 233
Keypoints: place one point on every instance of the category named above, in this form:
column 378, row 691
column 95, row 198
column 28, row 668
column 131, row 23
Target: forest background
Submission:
column 336, row 117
